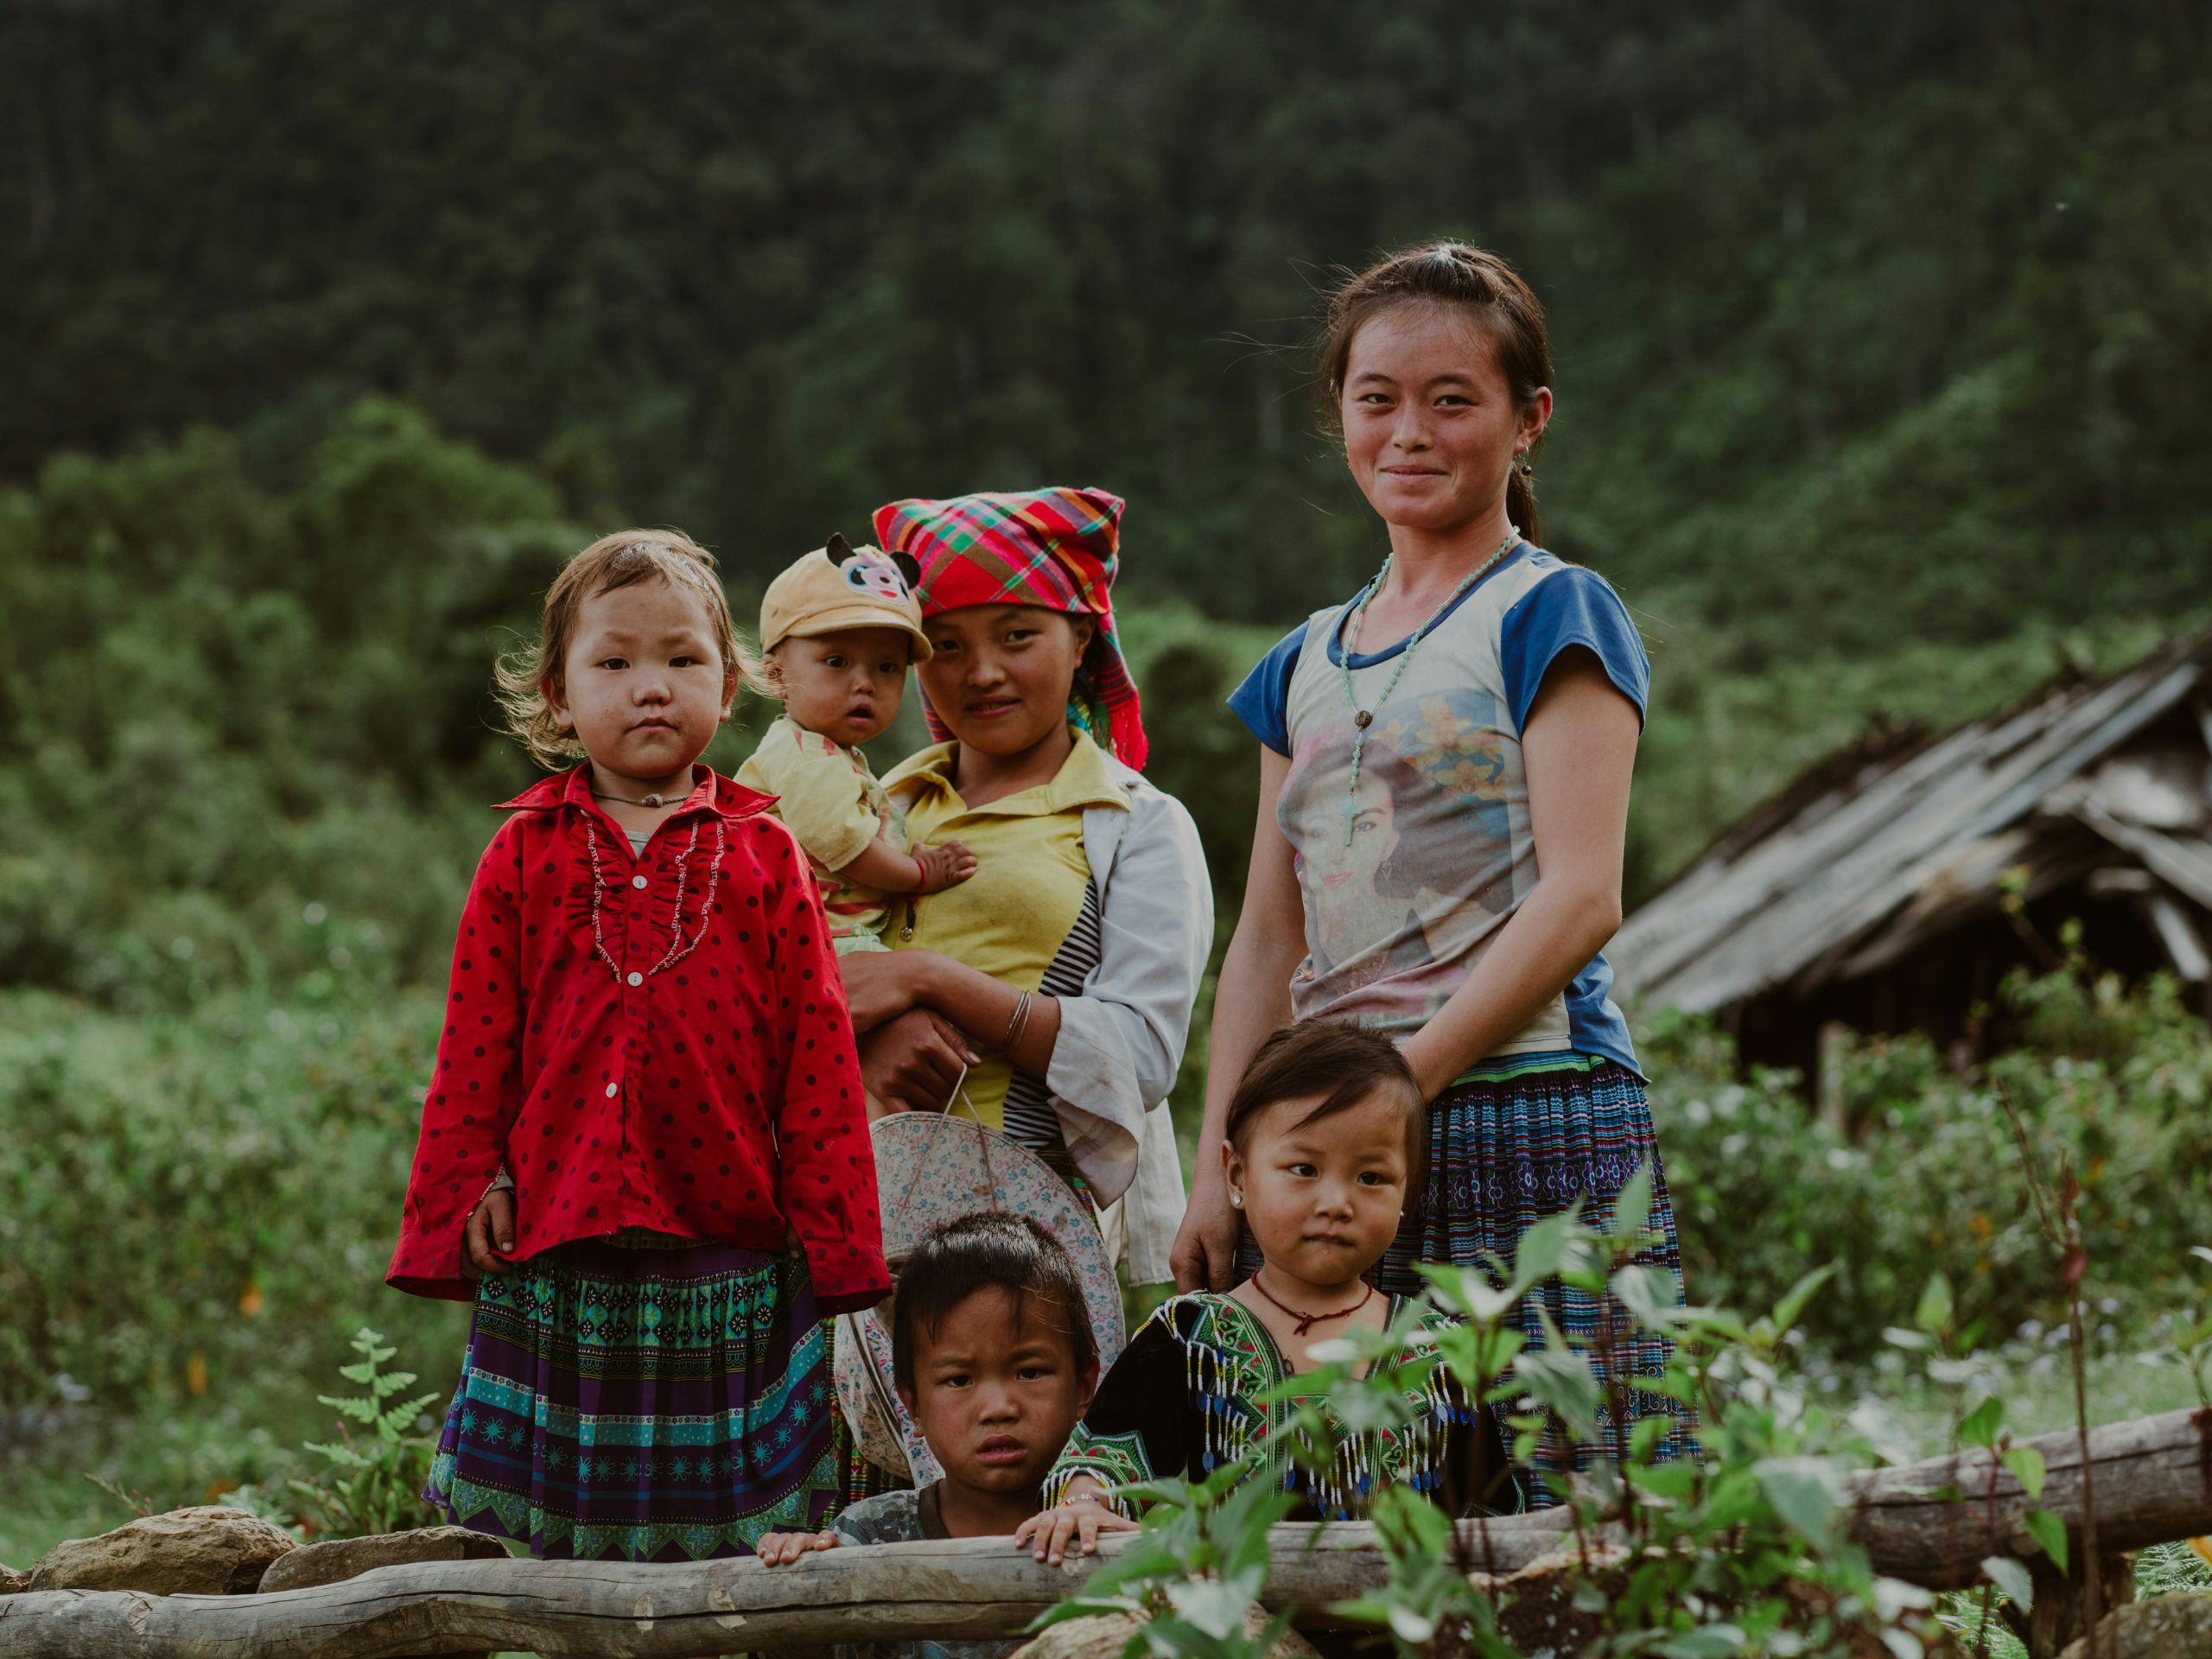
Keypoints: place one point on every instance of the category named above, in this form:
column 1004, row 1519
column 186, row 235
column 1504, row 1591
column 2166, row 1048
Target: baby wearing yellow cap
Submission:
column 839, row 629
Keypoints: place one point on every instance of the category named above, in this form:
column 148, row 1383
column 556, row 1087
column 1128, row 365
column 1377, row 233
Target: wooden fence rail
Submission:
column 2153, row 1480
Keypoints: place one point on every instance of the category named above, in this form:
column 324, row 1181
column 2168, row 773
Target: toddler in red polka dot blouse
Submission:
column 644, row 1150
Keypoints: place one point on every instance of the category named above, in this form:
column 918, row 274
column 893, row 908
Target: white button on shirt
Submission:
column 636, row 880
column 636, row 979
column 611, row 1088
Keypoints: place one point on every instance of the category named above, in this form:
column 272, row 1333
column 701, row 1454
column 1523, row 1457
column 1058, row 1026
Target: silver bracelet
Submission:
column 1018, row 1027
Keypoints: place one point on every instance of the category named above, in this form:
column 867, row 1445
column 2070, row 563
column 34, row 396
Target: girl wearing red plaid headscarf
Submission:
column 1051, row 992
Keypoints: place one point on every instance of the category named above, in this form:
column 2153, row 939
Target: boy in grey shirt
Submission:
column 996, row 1363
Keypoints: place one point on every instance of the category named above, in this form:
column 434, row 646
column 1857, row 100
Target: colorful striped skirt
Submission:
column 1510, row 1144
column 662, row 1404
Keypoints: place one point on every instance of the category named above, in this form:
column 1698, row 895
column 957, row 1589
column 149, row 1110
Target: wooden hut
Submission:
column 1894, row 885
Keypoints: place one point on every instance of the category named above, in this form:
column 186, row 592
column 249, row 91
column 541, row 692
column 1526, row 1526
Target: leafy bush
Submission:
column 1741, row 1551
column 201, row 1207
column 1931, row 1182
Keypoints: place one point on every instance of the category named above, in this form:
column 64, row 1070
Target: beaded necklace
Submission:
column 1363, row 718
column 679, row 946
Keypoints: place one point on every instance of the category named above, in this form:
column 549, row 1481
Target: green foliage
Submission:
column 1738, row 1552
column 248, row 733
column 195, row 1208
column 1871, row 319
column 377, row 1486
column 2117, row 1079
column 1196, row 1571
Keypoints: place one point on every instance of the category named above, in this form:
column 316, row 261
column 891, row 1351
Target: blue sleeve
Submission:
column 1574, row 608
column 1262, row 703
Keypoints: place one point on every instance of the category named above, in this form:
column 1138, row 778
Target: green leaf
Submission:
column 2011, row 1579
column 1806, row 1492
column 2026, row 1464
column 1632, row 1206
column 1933, row 1313
column 361, row 1411
column 1897, row 1337
column 1557, row 1377
column 1544, row 1246
column 1795, row 1299
column 1653, row 1294
column 1982, row 1423
column 1674, row 1481
column 1215, row 1606
column 1705, row 1642
column 1410, row 1626
column 2049, row 1533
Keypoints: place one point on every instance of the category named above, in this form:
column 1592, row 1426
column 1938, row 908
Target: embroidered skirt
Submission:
column 642, row 1404
column 1512, row 1146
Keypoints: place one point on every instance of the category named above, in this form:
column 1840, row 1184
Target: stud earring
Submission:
column 1237, row 1199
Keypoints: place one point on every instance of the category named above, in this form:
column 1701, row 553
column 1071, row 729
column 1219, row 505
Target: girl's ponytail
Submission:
column 1468, row 279
column 1521, row 501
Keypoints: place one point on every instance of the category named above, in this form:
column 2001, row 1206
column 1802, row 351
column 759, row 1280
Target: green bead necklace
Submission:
column 1363, row 718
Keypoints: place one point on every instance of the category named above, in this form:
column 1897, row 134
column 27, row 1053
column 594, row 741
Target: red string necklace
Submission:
column 1307, row 1321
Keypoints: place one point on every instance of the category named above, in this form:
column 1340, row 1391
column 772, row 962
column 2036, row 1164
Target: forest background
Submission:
column 1883, row 338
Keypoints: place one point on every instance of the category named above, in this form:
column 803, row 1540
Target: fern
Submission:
column 374, row 1484
column 390, row 1422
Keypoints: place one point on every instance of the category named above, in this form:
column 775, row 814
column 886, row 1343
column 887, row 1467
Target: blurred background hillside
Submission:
column 1883, row 338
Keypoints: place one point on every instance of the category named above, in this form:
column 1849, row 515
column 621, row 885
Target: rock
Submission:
column 2176, row 1626
column 211, row 1551
column 1104, row 1636
column 346, row 1558
column 11, row 1581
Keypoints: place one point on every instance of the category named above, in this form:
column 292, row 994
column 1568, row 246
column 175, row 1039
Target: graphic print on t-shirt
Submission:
column 1429, row 865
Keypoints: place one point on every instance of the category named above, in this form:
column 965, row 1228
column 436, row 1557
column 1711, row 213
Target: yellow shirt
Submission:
column 831, row 800
column 1010, row 919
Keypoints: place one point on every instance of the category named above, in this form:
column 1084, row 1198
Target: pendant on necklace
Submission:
column 652, row 800
column 1363, row 719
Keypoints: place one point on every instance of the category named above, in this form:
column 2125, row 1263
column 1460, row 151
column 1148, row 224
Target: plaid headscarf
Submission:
column 1054, row 549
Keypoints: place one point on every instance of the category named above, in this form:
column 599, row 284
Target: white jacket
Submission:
column 1121, row 1042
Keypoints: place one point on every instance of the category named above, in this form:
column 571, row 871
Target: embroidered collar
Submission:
column 731, row 800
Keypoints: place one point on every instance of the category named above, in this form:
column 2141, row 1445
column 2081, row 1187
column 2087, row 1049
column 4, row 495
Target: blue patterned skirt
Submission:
column 643, row 1404
column 1516, row 1143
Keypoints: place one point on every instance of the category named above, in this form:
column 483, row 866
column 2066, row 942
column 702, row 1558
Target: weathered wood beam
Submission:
column 2153, row 1479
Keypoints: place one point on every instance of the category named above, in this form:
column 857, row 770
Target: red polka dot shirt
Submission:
column 658, row 1040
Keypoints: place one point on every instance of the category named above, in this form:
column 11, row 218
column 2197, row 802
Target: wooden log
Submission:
column 956, row 1590
column 2153, row 1479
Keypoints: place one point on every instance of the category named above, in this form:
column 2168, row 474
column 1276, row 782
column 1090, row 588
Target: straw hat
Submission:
column 931, row 1168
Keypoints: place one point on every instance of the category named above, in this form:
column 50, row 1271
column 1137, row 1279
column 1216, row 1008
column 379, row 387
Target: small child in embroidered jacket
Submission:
column 839, row 628
column 1324, row 1145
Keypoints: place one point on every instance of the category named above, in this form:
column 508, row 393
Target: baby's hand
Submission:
column 781, row 1548
column 943, row 867
column 1082, row 1515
